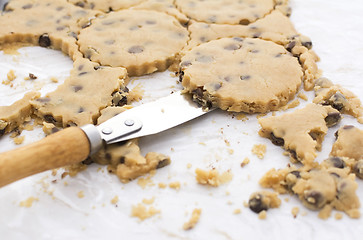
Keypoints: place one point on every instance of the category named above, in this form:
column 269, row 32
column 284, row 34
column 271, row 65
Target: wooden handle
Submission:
column 60, row 149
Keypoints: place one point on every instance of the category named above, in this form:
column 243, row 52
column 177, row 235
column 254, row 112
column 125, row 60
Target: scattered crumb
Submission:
column 19, row 140
column 245, row 162
column 227, row 142
column 237, row 211
column 142, row 212
column 54, row 79
column 212, row 178
column 28, row 202
column 228, row 193
column 54, row 172
column 80, row 194
column 32, row 76
column 295, row 211
column 262, row 215
column 230, row 151
column 175, row 185
column 189, row 165
column 304, row 213
column 193, row 220
column 338, row 216
column 136, row 93
column 261, row 115
column 286, row 199
column 162, row 185
column 148, row 201
column 144, row 182
column 172, row 149
column 302, row 96
column 114, row 200
column 245, row 203
column 202, row 143
column 11, row 75
column 65, row 183
column 259, row 150
column 292, row 104
column 241, row 116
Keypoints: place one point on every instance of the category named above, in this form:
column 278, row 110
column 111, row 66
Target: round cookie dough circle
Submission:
column 235, row 74
column 106, row 5
column 142, row 41
column 225, row 12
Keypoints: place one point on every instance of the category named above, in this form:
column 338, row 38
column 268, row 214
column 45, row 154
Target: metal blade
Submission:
column 150, row 118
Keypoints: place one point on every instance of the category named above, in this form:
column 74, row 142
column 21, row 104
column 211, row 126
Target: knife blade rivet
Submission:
column 129, row 122
column 107, row 131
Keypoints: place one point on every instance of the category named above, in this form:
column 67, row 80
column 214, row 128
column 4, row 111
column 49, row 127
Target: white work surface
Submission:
column 335, row 28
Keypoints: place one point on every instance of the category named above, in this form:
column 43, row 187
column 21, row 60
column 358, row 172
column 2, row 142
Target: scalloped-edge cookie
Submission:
column 300, row 132
column 105, row 5
column 47, row 23
column 85, row 92
column 142, row 41
column 226, row 12
column 240, row 74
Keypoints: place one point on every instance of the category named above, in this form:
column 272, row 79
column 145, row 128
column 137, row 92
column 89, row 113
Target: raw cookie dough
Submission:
column 140, row 40
column 326, row 93
column 263, row 200
column 322, row 188
column 349, row 143
column 13, row 116
column 47, row 23
column 106, row 5
column 275, row 27
column 79, row 100
column 166, row 6
column 300, row 132
column 260, row 75
column 226, row 12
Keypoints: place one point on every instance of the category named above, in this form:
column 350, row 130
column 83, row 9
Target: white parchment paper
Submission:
column 216, row 140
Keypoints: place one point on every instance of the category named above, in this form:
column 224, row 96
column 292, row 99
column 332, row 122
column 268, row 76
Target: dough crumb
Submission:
column 237, row 211
column 245, row 162
column 338, row 216
column 262, row 215
column 259, row 150
column 189, row 165
column 54, row 79
column 263, row 200
column 193, row 220
column 302, row 96
column 144, row 182
column 292, row 104
column 142, row 212
column 114, row 200
column 19, row 140
column 295, row 211
column 148, row 201
column 80, row 194
column 28, row 202
column 162, row 185
column 175, row 185
column 212, row 178
column 241, row 116
column 11, row 75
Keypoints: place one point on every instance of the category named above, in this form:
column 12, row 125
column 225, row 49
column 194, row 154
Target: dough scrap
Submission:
column 326, row 93
column 349, row 143
column 13, row 116
column 263, row 200
column 142, row 41
column 300, row 132
column 226, row 12
column 47, row 23
column 261, row 75
column 79, row 100
column 321, row 188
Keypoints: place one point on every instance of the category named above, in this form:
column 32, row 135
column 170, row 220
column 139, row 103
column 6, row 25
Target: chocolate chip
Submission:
column 204, row 59
column 246, row 77
column 323, row 82
column 150, row 22
column 256, row 35
column 181, row 75
column 276, row 140
column 110, row 42
column 256, row 204
column 49, row 118
column 44, row 40
column 314, row 135
column 43, row 100
column 232, row 47
column 136, row 49
column 82, row 73
column 290, row 46
column 4, row 7
column 336, row 162
column 2, row 132
column 336, row 175
column 108, row 22
column 296, row 173
column 122, row 160
column 307, row 44
column 77, row 88
column 59, row 8
column 185, row 64
column 238, row 39
column 73, row 34
column 80, row 4
column 314, row 199
column 244, row 22
column 358, row 169
column 163, row 163
column 198, row 92
column 293, row 154
column 332, row 119
column 108, row 156
column 80, row 67
column 32, row 76
column 88, row 161
column 255, row 51
column 346, row 127
column 81, row 110
column 60, row 28
column 27, row 6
